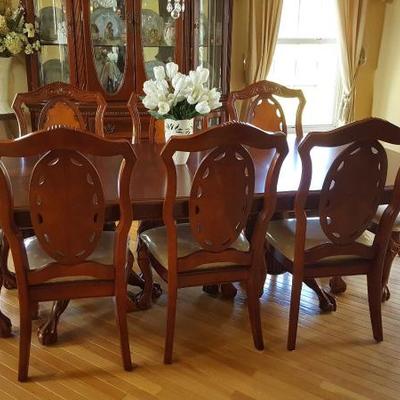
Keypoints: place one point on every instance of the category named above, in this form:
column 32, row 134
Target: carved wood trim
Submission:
column 266, row 91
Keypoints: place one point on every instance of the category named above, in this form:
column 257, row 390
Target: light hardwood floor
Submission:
column 336, row 356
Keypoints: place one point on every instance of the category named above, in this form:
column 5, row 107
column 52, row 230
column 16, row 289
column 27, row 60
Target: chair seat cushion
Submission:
column 38, row 258
column 281, row 235
column 156, row 241
column 378, row 216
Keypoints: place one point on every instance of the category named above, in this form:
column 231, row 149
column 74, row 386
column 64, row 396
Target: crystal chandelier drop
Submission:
column 176, row 9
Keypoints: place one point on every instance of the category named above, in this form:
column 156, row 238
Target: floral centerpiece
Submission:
column 16, row 36
column 178, row 98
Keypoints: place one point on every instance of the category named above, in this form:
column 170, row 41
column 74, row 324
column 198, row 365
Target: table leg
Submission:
column 5, row 323
column 337, row 285
column 150, row 290
column 47, row 333
column 327, row 302
column 9, row 281
column 392, row 252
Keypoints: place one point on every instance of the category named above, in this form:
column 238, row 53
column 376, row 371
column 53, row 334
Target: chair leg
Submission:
column 294, row 311
column 120, row 310
column 24, row 343
column 374, row 300
column 171, row 317
column 253, row 304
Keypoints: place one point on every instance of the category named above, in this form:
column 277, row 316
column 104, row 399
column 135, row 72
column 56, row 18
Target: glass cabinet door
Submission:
column 209, row 29
column 53, row 58
column 109, row 41
column 159, row 35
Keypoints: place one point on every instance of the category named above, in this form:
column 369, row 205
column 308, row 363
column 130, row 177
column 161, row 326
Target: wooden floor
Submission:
column 214, row 356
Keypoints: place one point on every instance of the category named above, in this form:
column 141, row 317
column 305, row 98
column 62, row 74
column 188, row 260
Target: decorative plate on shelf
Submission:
column 50, row 21
column 152, row 28
column 106, row 25
column 55, row 71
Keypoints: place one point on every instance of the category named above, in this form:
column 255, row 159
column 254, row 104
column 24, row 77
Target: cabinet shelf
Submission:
column 158, row 45
column 52, row 43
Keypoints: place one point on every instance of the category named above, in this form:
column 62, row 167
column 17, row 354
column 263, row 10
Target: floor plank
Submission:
column 336, row 357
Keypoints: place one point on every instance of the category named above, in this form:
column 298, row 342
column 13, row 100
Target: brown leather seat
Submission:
column 156, row 242
column 37, row 257
column 378, row 216
column 281, row 235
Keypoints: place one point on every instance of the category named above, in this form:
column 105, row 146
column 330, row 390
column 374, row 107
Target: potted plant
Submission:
column 16, row 36
column 178, row 98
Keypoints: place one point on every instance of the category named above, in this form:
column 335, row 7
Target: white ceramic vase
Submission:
column 180, row 127
column 5, row 64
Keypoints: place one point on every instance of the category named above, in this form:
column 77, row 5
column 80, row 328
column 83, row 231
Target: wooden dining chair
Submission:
column 211, row 247
column 262, row 107
column 337, row 242
column 58, row 104
column 70, row 256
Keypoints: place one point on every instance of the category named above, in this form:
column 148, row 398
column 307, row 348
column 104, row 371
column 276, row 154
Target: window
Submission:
column 306, row 57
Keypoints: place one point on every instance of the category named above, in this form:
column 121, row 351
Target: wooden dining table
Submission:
column 148, row 187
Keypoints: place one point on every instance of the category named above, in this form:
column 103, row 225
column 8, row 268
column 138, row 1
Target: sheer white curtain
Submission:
column 351, row 22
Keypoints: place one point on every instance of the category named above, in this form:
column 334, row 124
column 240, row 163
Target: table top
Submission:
column 148, row 182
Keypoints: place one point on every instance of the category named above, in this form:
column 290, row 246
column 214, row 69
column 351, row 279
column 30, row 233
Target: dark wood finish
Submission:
column 117, row 122
column 59, row 104
column 78, row 187
column 230, row 205
column 149, row 181
column 352, row 189
column 262, row 107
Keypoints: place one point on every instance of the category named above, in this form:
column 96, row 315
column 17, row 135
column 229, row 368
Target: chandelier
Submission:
column 176, row 9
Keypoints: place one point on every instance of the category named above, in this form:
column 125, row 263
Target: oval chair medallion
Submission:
column 60, row 111
column 360, row 172
column 79, row 195
column 211, row 198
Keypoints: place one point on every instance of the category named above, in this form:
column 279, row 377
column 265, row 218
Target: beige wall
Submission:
column 240, row 34
column 387, row 81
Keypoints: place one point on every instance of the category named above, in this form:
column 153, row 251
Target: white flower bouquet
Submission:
column 16, row 35
column 173, row 95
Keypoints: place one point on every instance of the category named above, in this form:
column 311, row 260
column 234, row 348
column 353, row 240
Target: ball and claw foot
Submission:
column 327, row 302
column 140, row 301
column 337, row 285
column 5, row 326
column 47, row 332
column 385, row 293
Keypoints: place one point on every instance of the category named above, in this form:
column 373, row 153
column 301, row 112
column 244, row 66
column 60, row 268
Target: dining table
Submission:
column 147, row 191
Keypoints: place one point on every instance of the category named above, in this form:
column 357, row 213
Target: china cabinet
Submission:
column 111, row 46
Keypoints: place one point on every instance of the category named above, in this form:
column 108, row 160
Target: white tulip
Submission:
column 163, row 107
column 204, row 74
column 196, row 95
column 150, row 88
column 150, row 102
column 159, row 73
column 200, row 76
column 171, row 69
column 203, row 107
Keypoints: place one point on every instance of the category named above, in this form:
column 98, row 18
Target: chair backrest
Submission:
column 66, row 202
column 59, row 104
column 262, row 107
column 155, row 131
column 214, row 118
column 222, row 192
column 351, row 192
